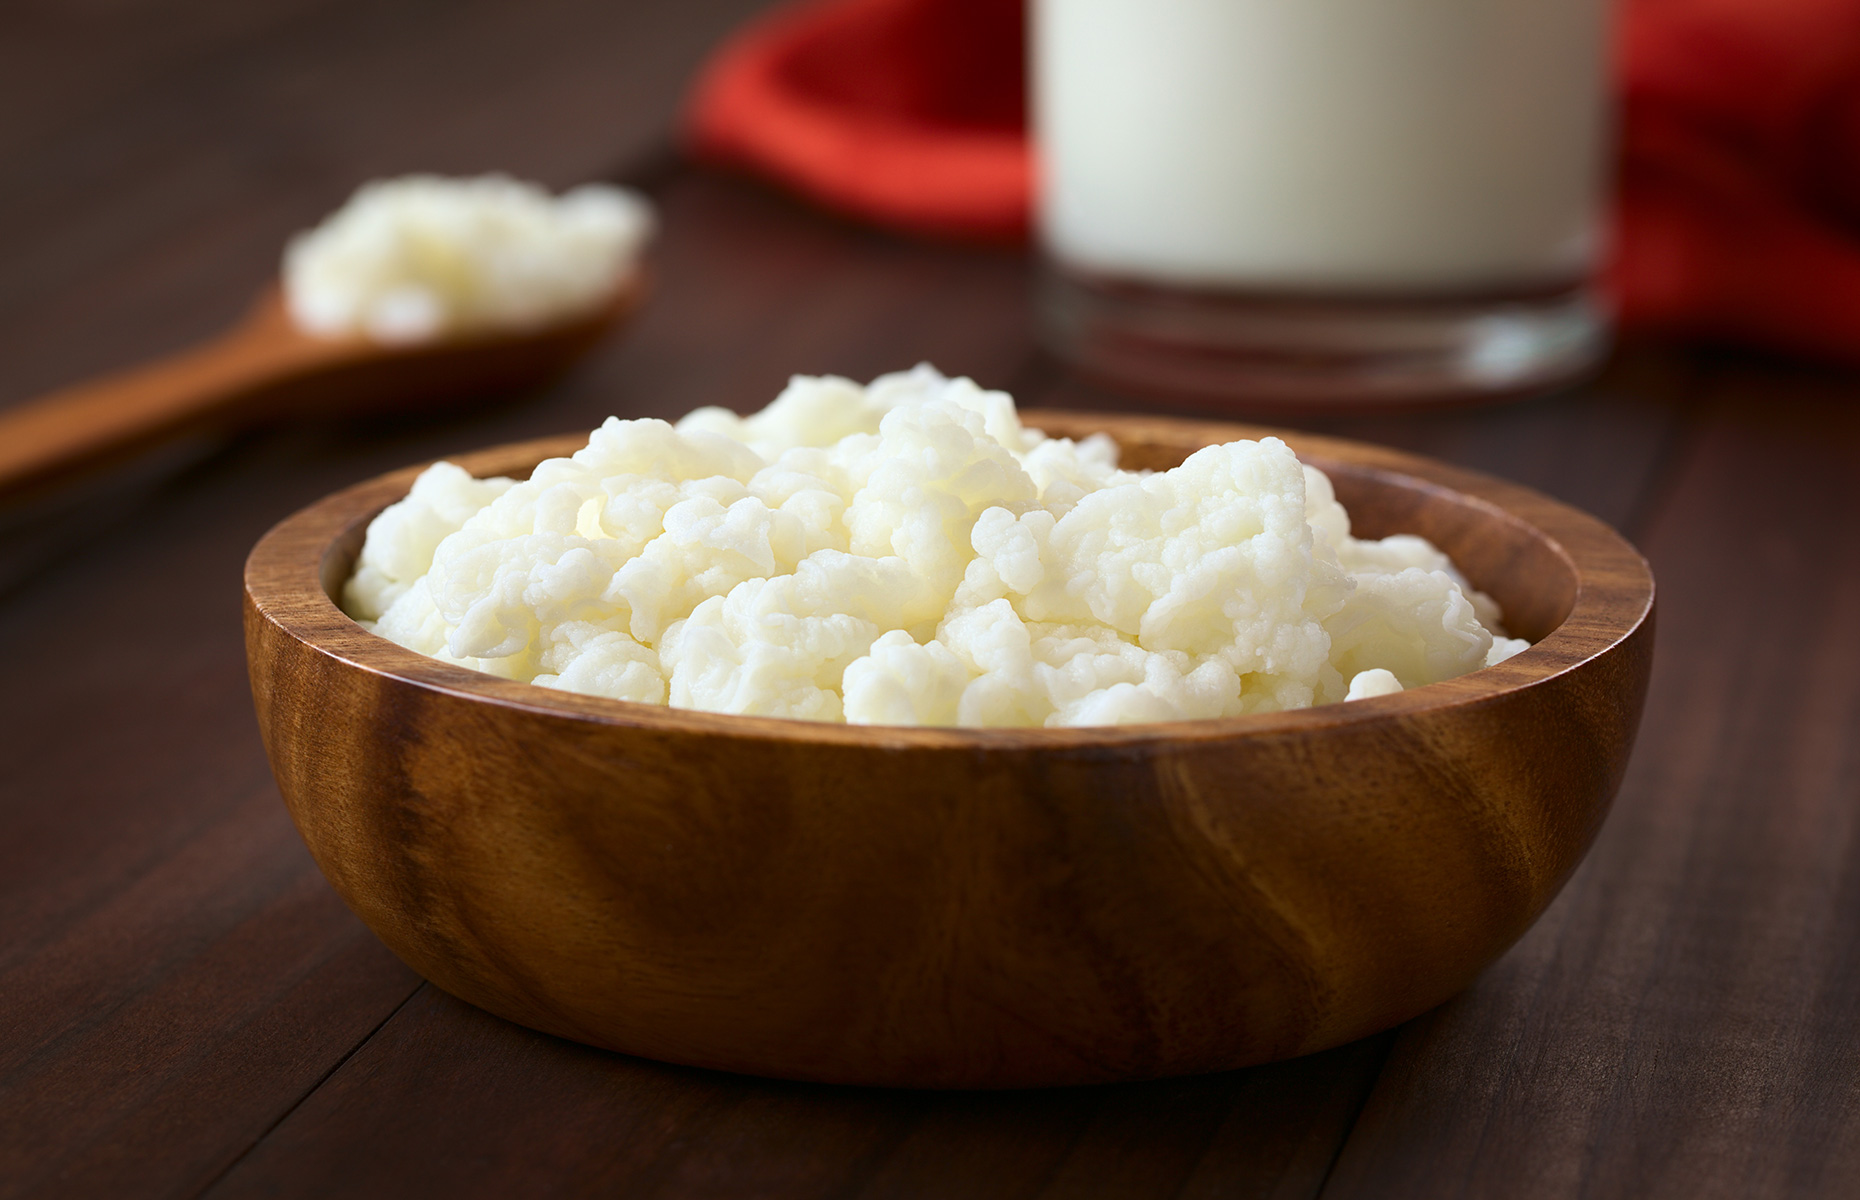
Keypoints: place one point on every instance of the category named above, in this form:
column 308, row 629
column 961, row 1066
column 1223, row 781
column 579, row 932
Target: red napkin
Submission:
column 1738, row 216
column 909, row 113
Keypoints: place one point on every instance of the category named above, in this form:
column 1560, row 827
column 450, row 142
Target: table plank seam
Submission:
column 1371, row 1078
column 214, row 1180
column 1684, row 437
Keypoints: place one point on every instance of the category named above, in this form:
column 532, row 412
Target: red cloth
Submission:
column 909, row 113
column 1739, row 206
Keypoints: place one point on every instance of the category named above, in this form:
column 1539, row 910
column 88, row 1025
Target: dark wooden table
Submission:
column 187, row 1009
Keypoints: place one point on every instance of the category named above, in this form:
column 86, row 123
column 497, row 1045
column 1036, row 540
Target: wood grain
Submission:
column 964, row 908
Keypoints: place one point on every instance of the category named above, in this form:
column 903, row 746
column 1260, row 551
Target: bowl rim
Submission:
column 285, row 572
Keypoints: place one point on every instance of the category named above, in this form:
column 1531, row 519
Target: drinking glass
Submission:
column 1355, row 202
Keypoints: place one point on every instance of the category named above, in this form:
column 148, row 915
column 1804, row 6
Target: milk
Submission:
column 1323, row 146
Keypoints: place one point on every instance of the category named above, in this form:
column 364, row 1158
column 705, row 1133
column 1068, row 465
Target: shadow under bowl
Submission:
column 965, row 907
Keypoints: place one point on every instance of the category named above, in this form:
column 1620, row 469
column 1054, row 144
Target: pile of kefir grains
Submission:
column 422, row 257
column 909, row 554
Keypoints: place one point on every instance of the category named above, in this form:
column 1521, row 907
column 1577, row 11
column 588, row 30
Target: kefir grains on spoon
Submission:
column 422, row 257
column 909, row 554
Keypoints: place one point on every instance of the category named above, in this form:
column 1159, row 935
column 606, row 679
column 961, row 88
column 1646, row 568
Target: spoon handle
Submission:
column 102, row 420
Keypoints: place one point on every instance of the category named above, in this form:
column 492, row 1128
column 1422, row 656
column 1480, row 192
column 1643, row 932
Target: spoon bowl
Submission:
column 265, row 368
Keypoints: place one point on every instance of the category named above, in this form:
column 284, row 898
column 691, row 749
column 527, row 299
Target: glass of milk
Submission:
column 1323, row 201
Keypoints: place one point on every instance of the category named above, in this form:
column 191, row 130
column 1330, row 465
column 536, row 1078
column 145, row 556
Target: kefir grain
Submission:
column 422, row 257
column 909, row 554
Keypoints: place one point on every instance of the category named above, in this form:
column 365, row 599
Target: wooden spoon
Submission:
column 265, row 368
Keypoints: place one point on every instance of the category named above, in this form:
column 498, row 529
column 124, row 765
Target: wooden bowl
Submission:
column 965, row 908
